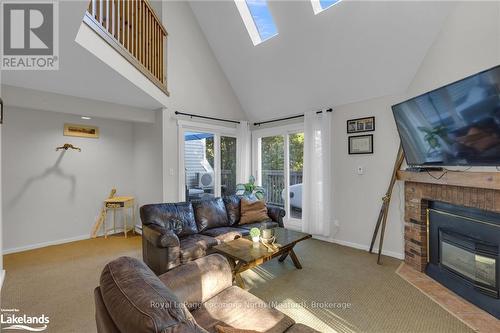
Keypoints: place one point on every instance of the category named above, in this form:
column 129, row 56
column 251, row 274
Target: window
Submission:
column 321, row 5
column 278, row 165
column 199, row 165
column 207, row 161
column 257, row 19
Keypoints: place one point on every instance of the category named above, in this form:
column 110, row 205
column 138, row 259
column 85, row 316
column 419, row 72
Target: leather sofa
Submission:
column 195, row 297
column 176, row 233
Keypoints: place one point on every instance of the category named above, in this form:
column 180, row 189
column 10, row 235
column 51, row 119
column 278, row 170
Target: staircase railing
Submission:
column 133, row 29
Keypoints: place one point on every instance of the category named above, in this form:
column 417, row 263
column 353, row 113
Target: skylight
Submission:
column 321, row 5
column 258, row 19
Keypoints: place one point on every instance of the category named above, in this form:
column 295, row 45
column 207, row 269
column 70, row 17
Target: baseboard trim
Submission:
column 361, row 247
column 366, row 248
column 45, row 244
column 54, row 242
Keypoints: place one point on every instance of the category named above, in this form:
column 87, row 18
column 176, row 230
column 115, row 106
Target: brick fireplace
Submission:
column 418, row 195
column 452, row 232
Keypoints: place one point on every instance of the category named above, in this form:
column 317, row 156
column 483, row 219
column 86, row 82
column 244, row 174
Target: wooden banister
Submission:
column 133, row 29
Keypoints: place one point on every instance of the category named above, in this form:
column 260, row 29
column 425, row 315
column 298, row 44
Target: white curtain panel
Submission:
column 317, row 211
column 243, row 152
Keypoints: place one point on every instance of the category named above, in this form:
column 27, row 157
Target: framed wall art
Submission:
column 366, row 124
column 361, row 144
column 82, row 131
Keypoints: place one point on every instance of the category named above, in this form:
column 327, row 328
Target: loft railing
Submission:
column 133, row 29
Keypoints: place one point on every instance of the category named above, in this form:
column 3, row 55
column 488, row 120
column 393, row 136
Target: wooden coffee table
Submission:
column 244, row 254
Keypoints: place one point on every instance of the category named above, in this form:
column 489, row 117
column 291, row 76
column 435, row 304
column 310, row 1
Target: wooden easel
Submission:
column 384, row 210
column 102, row 216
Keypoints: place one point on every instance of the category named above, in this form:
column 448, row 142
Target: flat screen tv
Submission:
column 456, row 125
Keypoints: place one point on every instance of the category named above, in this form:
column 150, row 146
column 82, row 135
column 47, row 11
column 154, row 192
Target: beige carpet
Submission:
column 59, row 281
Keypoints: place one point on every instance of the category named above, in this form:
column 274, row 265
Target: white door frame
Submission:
column 184, row 126
column 284, row 131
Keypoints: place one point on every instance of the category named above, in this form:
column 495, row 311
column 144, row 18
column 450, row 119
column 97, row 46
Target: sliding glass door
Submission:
column 199, row 158
column 295, row 172
column 228, row 165
column 272, row 169
column 207, row 161
column 278, row 166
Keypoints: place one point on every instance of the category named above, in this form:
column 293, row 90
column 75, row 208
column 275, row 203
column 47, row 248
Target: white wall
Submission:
column 51, row 196
column 196, row 83
column 2, row 272
column 468, row 43
column 134, row 157
column 148, row 162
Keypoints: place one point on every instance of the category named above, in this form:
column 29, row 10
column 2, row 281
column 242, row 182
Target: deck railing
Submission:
column 133, row 29
column 273, row 182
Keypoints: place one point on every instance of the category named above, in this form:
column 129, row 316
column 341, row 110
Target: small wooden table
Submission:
column 119, row 203
column 243, row 254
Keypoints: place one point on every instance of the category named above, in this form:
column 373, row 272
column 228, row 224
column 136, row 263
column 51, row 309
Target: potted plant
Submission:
column 255, row 234
column 251, row 189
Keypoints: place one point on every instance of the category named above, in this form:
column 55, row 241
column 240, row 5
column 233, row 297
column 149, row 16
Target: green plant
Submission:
column 250, row 188
column 254, row 232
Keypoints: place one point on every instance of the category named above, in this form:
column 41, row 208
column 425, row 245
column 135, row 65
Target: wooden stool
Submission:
column 119, row 203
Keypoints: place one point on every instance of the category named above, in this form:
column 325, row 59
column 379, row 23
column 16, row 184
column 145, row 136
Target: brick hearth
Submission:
column 417, row 197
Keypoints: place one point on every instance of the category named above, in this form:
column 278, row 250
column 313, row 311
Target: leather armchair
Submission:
column 190, row 298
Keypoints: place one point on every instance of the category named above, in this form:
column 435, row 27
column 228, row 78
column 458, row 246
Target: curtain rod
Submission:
column 286, row 118
column 205, row 117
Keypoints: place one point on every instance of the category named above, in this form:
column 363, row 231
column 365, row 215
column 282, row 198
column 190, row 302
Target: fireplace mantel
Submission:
column 485, row 180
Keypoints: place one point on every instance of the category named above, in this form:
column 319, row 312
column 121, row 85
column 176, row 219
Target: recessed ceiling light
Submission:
column 86, row 118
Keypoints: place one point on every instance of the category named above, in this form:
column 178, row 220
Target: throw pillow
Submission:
column 225, row 329
column 253, row 211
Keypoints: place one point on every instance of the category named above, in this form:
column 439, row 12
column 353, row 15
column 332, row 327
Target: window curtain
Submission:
column 243, row 152
column 317, row 212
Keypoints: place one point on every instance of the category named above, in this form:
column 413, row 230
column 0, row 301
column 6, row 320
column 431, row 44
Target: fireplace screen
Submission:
column 461, row 256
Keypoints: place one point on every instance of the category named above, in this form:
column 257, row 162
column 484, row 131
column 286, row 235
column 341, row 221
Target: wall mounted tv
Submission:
column 456, row 125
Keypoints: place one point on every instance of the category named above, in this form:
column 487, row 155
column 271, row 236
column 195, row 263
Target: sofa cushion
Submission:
column 178, row 217
column 226, row 234
column 195, row 246
column 199, row 280
column 228, row 329
column 301, row 328
column 269, row 224
column 239, row 309
column 253, row 211
column 129, row 288
column 210, row 213
column 233, row 208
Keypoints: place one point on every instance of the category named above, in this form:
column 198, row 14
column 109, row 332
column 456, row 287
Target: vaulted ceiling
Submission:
column 352, row 51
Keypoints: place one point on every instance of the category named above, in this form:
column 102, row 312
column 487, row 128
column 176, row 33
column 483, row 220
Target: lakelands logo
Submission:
column 30, row 38
column 11, row 319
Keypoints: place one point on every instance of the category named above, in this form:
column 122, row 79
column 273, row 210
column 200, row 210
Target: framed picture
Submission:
column 361, row 144
column 82, row 131
column 361, row 125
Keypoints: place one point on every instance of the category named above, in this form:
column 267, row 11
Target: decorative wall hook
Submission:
column 1, row 111
column 67, row 146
